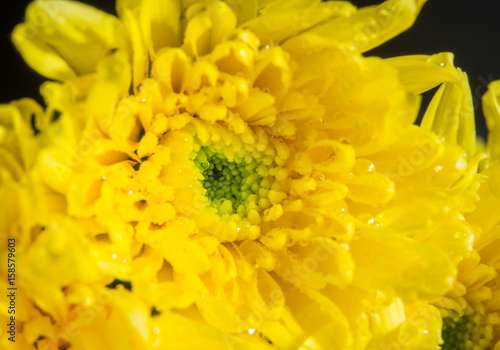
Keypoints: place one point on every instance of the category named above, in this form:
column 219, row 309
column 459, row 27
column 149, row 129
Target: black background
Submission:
column 469, row 29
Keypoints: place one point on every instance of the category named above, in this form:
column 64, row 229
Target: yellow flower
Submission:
column 434, row 169
column 234, row 175
column 472, row 310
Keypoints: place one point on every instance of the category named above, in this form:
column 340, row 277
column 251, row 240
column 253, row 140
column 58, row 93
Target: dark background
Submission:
column 469, row 29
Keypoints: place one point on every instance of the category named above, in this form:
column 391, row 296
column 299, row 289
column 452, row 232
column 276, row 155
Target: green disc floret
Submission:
column 228, row 184
column 463, row 333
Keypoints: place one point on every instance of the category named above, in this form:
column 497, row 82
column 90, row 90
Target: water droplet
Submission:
column 251, row 331
column 114, row 256
column 124, row 260
column 130, row 192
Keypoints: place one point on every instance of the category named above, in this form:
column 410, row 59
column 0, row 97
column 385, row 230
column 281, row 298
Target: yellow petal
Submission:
column 454, row 237
column 280, row 20
column 244, row 10
column 186, row 256
column 72, row 40
column 372, row 25
column 355, row 110
column 111, row 313
column 140, row 59
column 372, row 188
column 126, row 5
column 331, row 156
column 171, row 69
column 491, row 109
column 40, row 56
column 451, row 114
column 420, row 73
column 258, row 109
column 178, row 332
column 315, row 263
column 159, row 23
column 273, row 72
column 485, row 215
column 16, row 133
column 400, row 265
column 324, row 326
column 46, row 262
column 411, row 326
column 114, row 78
column 210, row 27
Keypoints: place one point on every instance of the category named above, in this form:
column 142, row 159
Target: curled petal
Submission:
column 372, row 25
column 280, row 20
column 159, row 24
column 208, row 27
column 491, row 109
column 451, row 114
column 63, row 39
column 420, row 73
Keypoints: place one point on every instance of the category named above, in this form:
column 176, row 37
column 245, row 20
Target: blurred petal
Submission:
column 159, row 23
column 62, row 39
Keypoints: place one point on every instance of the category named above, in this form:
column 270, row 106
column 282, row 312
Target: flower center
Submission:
column 466, row 332
column 228, row 184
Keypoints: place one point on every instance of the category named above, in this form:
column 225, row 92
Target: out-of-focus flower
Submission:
column 235, row 175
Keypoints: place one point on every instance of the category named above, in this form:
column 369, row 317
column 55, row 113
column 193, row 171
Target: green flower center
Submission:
column 228, row 184
column 464, row 333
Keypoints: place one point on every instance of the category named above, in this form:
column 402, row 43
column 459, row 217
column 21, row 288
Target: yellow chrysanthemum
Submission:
column 222, row 175
column 434, row 169
column 472, row 310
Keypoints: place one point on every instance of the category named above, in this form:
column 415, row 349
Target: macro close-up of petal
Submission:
column 208, row 174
